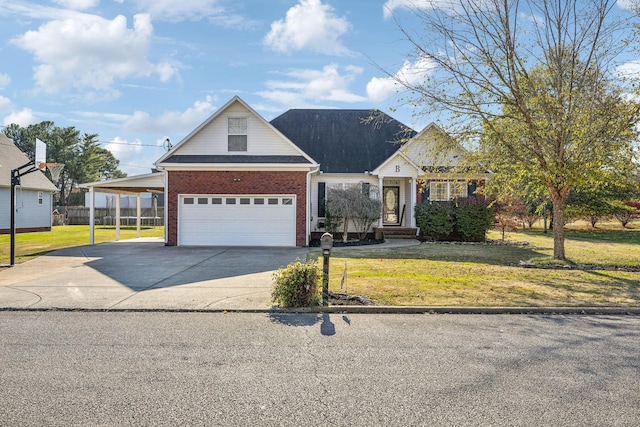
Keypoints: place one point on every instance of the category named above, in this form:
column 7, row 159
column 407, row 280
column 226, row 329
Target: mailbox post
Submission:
column 326, row 243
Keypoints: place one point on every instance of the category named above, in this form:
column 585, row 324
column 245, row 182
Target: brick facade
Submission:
column 241, row 182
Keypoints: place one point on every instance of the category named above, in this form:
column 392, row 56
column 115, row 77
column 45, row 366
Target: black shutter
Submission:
column 471, row 188
column 322, row 199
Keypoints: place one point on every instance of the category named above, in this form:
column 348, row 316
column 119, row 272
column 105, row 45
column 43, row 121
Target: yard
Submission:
column 30, row 245
column 439, row 274
column 448, row 274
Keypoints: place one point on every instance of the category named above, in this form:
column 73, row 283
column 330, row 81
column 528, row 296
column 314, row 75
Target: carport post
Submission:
column 92, row 215
column 138, row 214
column 117, row 217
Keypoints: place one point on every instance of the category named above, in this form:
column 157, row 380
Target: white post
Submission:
column 380, row 183
column 92, row 215
column 414, row 200
column 117, row 216
column 138, row 215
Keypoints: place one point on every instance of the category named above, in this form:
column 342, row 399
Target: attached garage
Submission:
column 237, row 220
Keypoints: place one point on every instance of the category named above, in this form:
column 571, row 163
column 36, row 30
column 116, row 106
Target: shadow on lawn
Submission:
column 504, row 255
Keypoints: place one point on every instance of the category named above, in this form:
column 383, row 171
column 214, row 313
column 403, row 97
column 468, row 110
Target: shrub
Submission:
column 435, row 219
column 466, row 219
column 473, row 218
column 296, row 285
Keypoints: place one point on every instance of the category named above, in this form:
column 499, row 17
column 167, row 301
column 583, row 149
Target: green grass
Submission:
column 479, row 275
column 31, row 245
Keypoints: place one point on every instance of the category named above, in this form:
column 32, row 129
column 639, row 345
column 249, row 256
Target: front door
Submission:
column 391, row 205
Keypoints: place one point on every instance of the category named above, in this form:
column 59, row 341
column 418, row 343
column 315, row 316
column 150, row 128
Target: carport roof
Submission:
column 153, row 182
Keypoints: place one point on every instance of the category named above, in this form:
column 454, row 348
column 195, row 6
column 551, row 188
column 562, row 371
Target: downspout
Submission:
column 308, row 207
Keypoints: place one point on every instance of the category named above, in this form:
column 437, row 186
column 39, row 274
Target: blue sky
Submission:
column 139, row 71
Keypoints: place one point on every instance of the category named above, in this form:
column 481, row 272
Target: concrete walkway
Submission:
column 140, row 274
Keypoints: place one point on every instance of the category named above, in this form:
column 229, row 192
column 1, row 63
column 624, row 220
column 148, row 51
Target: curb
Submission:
column 345, row 309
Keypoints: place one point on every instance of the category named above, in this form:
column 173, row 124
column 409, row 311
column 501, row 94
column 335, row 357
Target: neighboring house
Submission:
column 34, row 197
column 239, row 180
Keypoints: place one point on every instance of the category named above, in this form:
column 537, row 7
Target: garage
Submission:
column 237, row 220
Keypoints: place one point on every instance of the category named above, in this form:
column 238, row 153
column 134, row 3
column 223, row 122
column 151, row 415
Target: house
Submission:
column 239, row 180
column 34, row 195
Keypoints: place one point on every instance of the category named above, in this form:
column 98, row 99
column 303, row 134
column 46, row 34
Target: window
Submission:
column 447, row 190
column 273, row 201
column 203, row 201
column 245, row 201
column 439, row 191
column 188, row 200
column 287, row 201
column 40, row 198
column 216, row 201
column 230, row 201
column 237, row 134
column 457, row 189
column 258, row 201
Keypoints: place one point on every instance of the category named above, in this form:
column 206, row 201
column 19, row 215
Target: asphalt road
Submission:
column 125, row 368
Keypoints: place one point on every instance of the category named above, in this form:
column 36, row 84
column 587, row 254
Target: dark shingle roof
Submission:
column 340, row 140
column 239, row 158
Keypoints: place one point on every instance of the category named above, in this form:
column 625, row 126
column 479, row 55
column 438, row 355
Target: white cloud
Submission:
column 307, row 87
column 391, row 5
column 630, row 70
column 308, row 25
column 5, row 104
column 172, row 122
column 4, row 80
column 379, row 89
column 77, row 4
column 89, row 52
column 191, row 10
column 23, row 118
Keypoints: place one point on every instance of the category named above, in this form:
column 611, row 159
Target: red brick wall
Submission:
column 243, row 182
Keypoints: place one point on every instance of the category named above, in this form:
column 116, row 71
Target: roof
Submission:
column 12, row 158
column 343, row 141
column 152, row 182
column 190, row 158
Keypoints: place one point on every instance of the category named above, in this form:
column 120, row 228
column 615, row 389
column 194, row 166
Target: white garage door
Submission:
column 241, row 220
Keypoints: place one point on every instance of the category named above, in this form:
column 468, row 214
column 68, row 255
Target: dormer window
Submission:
column 237, row 134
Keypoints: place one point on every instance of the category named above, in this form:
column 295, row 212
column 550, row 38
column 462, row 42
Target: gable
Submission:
column 11, row 158
column 209, row 143
column 433, row 148
column 343, row 141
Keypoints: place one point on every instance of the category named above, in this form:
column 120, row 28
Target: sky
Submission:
column 137, row 72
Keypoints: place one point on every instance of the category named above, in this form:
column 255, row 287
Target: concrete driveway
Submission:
column 145, row 274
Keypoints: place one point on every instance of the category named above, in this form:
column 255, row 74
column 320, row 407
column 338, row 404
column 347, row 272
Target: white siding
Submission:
column 332, row 181
column 29, row 214
column 262, row 140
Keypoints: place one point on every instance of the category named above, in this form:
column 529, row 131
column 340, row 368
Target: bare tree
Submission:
column 540, row 77
column 353, row 205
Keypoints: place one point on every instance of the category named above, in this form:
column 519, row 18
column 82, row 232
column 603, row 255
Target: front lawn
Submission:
column 31, row 245
column 484, row 275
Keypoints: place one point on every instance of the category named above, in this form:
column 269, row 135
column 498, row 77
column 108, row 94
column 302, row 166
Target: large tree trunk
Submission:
column 558, row 227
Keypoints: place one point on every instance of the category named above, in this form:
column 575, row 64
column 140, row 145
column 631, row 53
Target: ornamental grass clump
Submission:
column 296, row 285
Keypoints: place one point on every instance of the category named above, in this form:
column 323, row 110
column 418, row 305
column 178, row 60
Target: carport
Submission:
column 136, row 185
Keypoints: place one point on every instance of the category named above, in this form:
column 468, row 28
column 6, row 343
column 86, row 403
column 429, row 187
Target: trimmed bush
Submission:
column 296, row 285
column 473, row 218
column 467, row 219
column 435, row 219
